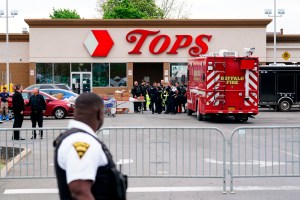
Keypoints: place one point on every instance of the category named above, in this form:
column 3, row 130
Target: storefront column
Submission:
column 32, row 73
column 129, row 75
column 166, row 72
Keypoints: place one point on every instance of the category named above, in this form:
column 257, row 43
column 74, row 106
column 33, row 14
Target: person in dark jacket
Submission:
column 18, row 109
column 153, row 97
column 144, row 89
column 136, row 92
column 159, row 100
column 179, row 99
column 38, row 107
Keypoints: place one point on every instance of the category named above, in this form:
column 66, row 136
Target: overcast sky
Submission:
column 200, row 9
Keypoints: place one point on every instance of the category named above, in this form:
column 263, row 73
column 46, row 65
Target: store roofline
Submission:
column 286, row 38
column 120, row 23
column 15, row 37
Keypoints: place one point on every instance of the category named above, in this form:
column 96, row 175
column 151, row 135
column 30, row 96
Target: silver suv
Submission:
column 49, row 86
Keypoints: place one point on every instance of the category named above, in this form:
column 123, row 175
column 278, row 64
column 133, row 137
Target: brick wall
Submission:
column 19, row 73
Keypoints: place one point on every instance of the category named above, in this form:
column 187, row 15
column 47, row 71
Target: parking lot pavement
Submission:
column 161, row 189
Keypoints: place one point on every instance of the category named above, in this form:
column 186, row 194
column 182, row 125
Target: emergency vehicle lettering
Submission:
column 232, row 80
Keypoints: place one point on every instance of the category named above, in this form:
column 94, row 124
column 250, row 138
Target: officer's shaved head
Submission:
column 89, row 109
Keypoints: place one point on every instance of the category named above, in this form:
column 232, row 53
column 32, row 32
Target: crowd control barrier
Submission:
column 264, row 152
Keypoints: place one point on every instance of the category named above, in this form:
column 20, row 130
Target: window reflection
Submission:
column 44, row 73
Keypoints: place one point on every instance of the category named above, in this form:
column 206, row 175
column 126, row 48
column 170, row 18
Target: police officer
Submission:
column 153, row 97
column 184, row 97
column 159, row 99
column 38, row 107
column 179, row 99
column 143, row 88
column 170, row 92
column 81, row 162
column 136, row 92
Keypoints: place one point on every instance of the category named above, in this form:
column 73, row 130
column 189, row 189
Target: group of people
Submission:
column 160, row 96
column 38, row 107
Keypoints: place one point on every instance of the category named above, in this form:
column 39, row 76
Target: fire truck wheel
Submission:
column 199, row 116
column 285, row 105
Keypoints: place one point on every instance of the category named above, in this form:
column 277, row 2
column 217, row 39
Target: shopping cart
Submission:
column 110, row 107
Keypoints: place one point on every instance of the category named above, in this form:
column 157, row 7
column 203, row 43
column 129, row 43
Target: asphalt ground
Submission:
column 173, row 188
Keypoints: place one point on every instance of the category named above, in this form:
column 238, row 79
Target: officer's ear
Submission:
column 100, row 114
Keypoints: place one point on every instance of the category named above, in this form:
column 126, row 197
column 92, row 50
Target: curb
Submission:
column 13, row 162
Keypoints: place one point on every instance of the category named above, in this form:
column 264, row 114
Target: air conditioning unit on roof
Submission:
column 227, row 53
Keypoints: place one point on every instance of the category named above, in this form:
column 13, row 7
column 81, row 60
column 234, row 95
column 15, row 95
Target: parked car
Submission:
column 55, row 107
column 49, row 86
column 61, row 94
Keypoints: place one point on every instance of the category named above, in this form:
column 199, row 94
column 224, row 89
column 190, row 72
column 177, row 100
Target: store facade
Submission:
column 107, row 55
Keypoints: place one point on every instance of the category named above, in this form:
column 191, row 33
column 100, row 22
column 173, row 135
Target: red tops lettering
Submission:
column 160, row 43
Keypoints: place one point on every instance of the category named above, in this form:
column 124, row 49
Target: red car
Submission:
column 55, row 107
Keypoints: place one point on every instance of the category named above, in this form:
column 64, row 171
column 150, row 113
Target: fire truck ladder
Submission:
column 220, row 85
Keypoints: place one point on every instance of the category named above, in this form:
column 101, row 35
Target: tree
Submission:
column 129, row 9
column 175, row 8
column 64, row 14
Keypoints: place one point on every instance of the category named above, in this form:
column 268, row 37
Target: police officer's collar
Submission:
column 82, row 126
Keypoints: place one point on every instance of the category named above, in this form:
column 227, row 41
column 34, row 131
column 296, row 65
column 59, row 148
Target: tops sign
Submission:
column 182, row 41
column 159, row 44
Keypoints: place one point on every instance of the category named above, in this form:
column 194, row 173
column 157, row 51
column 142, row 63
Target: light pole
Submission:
column 13, row 13
column 280, row 13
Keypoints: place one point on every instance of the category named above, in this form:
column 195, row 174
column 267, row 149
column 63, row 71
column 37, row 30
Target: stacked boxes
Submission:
column 122, row 95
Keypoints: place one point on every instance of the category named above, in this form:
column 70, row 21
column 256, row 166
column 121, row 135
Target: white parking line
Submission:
column 165, row 189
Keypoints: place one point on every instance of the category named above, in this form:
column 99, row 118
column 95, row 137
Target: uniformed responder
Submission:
column 179, row 99
column 38, row 108
column 153, row 97
column 170, row 92
column 184, row 97
column 143, row 88
column 81, row 164
column 136, row 92
column 159, row 100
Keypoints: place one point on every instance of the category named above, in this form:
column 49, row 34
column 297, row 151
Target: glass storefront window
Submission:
column 81, row 67
column 100, row 74
column 104, row 74
column 44, row 73
column 62, row 73
column 118, row 76
column 178, row 72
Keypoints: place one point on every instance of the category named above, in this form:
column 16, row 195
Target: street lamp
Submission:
column 13, row 13
column 269, row 13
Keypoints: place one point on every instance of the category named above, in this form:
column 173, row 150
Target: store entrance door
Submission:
column 81, row 82
column 150, row 72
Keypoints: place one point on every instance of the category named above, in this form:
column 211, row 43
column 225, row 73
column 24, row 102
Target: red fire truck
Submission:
column 223, row 84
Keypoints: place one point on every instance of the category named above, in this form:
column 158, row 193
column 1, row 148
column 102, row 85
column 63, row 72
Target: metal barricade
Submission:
column 143, row 152
column 264, row 152
column 168, row 152
column 27, row 158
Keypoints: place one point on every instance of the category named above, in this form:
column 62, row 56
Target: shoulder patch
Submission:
column 81, row 148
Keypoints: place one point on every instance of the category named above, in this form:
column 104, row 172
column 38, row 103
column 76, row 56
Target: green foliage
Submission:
column 131, row 9
column 64, row 14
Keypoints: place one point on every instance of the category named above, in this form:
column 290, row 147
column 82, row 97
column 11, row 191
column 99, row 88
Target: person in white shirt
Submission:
column 80, row 159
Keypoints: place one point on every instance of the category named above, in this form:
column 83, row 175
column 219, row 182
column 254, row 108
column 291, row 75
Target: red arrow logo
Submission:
column 99, row 43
